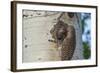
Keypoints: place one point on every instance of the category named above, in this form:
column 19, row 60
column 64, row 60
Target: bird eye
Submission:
column 59, row 38
column 70, row 14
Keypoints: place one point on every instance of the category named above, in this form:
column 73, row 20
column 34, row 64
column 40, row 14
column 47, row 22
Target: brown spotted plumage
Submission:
column 64, row 35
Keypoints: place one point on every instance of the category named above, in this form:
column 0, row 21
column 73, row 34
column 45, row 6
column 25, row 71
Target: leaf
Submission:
column 86, row 51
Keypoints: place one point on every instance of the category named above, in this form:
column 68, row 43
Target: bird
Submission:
column 65, row 38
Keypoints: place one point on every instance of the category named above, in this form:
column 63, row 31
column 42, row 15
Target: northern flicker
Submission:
column 65, row 38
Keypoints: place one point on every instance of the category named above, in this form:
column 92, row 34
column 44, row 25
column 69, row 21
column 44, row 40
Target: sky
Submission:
column 86, row 37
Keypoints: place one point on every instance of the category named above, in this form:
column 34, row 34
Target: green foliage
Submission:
column 86, row 33
column 86, row 51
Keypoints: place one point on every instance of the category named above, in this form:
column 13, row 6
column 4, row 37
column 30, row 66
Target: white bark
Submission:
column 36, row 33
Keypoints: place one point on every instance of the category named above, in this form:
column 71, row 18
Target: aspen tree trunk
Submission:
column 36, row 33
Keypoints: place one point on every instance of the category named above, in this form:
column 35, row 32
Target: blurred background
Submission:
column 86, row 34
